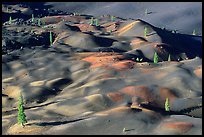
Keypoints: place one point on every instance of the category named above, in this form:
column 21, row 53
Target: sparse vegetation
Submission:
column 156, row 58
column 146, row 12
column 169, row 58
column 10, row 20
column 92, row 21
column 39, row 22
column 32, row 19
column 167, row 105
column 194, row 32
column 50, row 38
column 21, row 114
column 174, row 31
column 139, row 60
column 145, row 31
column 96, row 22
column 124, row 130
column 112, row 18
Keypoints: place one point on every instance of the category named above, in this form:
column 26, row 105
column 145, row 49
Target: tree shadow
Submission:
column 181, row 43
column 55, row 123
column 165, row 113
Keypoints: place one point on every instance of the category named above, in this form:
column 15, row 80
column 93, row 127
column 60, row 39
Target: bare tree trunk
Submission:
column 22, row 125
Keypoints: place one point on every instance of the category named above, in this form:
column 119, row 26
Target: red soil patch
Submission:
column 138, row 91
column 198, row 72
column 143, row 94
column 180, row 126
column 116, row 96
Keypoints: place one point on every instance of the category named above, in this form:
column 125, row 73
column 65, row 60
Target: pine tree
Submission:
column 167, row 105
column 156, row 58
column 21, row 114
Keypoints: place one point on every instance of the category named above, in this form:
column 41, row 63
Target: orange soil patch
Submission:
column 101, row 76
column 161, row 75
column 59, row 36
column 56, row 19
column 122, row 65
column 180, row 126
column 146, row 70
column 116, row 96
column 166, row 92
column 110, row 26
column 109, row 60
column 126, row 28
column 136, row 42
column 103, row 59
column 114, row 110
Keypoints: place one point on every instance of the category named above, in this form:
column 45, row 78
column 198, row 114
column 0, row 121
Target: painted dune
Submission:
column 98, row 78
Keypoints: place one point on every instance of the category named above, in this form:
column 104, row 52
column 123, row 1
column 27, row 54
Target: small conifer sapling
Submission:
column 156, row 58
column 167, row 105
column 50, row 38
column 21, row 114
